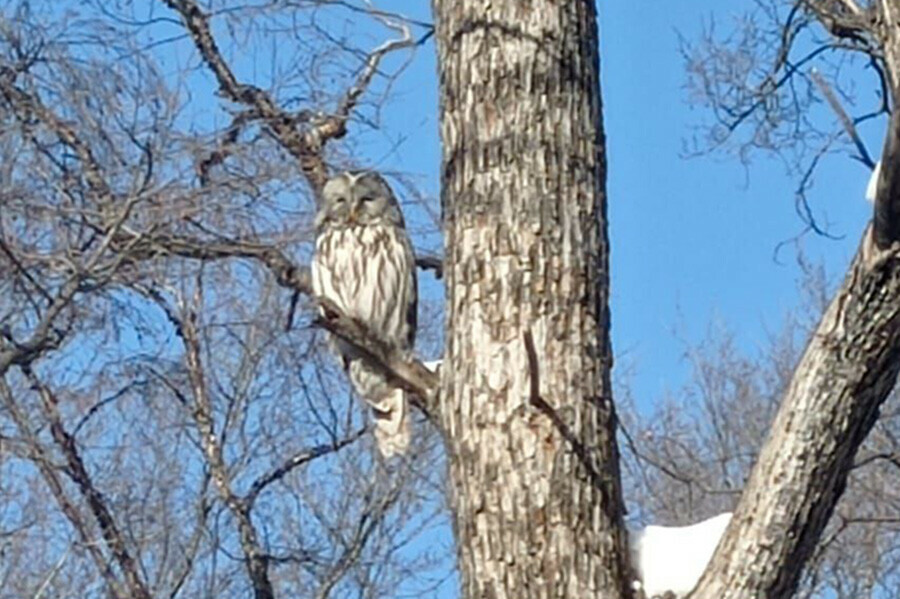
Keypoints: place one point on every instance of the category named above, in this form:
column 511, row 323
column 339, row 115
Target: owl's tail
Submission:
column 391, row 423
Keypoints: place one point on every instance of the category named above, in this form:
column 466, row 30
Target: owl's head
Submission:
column 358, row 198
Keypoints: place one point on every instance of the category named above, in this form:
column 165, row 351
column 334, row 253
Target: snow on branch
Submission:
column 671, row 559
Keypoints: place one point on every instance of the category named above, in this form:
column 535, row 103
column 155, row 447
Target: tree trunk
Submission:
column 525, row 399
column 846, row 373
column 887, row 202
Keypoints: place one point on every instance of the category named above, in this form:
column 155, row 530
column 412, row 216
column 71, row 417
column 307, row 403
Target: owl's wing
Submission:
column 412, row 304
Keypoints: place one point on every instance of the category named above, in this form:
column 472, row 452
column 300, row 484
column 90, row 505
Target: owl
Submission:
column 364, row 263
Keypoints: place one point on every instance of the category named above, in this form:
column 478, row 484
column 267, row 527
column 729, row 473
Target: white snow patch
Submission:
column 672, row 558
column 872, row 187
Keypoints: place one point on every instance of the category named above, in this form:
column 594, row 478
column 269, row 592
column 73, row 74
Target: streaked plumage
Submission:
column 364, row 263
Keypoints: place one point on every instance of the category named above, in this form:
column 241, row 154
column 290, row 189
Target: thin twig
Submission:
column 843, row 117
column 297, row 460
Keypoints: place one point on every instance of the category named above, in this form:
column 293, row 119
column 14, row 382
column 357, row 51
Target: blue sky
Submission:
column 692, row 239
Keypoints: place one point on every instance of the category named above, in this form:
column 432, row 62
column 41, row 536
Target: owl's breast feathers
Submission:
column 369, row 273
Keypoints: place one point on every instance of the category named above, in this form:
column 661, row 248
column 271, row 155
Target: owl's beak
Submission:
column 354, row 214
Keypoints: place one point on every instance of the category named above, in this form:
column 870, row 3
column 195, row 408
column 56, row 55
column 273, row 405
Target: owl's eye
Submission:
column 340, row 200
column 366, row 199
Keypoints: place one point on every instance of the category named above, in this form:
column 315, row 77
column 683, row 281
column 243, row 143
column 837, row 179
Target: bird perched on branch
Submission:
column 364, row 264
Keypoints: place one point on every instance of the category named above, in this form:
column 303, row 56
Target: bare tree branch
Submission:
column 77, row 471
column 51, row 575
column 106, row 174
column 842, row 18
column 44, row 463
column 846, row 122
column 297, row 460
column 360, row 537
column 27, row 106
column 410, row 373
column 255, row 558
column 307, row 146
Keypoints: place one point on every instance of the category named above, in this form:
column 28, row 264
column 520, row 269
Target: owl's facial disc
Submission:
column 340, row 209
column 367, row 207
column 359, row 198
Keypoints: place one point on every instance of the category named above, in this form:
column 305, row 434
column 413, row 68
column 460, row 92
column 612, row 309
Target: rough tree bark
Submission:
column 525, row 401
column 846, row 373
column 887, row 206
